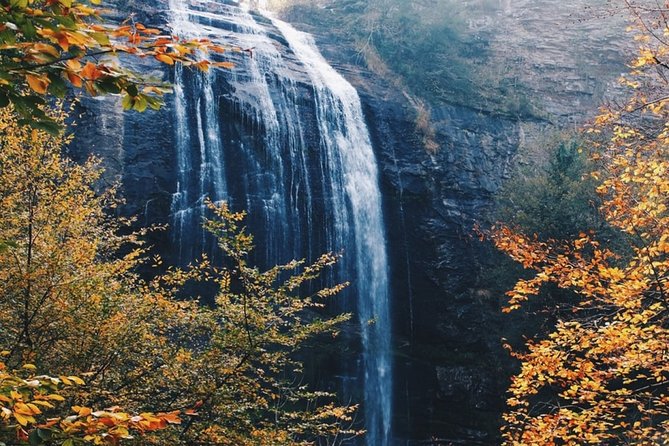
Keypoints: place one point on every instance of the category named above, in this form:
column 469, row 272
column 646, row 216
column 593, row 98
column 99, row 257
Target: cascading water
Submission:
column 346, row 144
column 188, row 209
column 306, row 191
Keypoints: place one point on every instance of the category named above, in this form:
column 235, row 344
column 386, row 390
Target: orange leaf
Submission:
column 63, row 41
column 91, row 72
column 121, row 31
column 135, row 39
column 162, row 42
column 74, row 79
column 38, row 83
column 228, row 65
column 203, row 65
column 50, row 422
column 172, row 417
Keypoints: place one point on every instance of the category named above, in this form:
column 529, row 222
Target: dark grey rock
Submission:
column 450, row 370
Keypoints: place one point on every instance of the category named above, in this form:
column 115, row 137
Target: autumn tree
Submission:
column 47, row 46
column 72, row 305
column 601, row 376
column 29, row 410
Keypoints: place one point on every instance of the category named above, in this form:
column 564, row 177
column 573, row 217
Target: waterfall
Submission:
column 298, row 158
column 188, row 209
column 346, row 144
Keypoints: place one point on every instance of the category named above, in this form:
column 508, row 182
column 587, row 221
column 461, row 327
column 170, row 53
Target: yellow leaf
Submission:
column 164, row 58
column 22, row 419
column 73, row 64
column 77, row 380
column 43, row 403
column 66, row 380
column 82, row 411
column 34, row 409
column 23, row 409
column 47, row 49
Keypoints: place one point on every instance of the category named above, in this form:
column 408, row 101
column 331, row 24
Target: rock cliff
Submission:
column 564, row 58
column 449, row 367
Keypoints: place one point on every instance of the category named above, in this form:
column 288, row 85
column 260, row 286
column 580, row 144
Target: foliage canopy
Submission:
column 72, row 305
column 601, row 376
column 47, row 46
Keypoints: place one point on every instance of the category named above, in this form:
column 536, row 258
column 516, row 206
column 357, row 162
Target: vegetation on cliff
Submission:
column 600, row 376
column 437, row 52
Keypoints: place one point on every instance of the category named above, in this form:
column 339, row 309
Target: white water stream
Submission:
column 280, row 184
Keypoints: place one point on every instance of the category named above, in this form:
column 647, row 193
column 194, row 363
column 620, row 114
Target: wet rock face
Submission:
column 139, row 151
column 450, row 369
column 442, row 327
column 136, row 152
column 141, row 165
